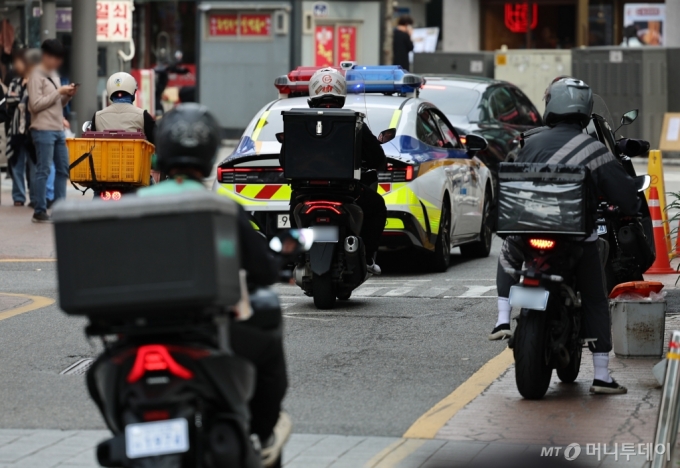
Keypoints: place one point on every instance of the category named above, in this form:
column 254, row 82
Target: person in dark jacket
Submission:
column 401, row 42
column 569, row 104
column 188, row 139
column 328, row 89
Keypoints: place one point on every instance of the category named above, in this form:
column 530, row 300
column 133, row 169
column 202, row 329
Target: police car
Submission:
column 438, row 194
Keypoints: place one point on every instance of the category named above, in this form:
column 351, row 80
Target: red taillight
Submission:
column 156, row 415
column 531, row 282
column 397, row 174
column 153, row 358
column 322, row 205
column 542, row 244
column 409, row 172
column 105, row 195
column 115, row 195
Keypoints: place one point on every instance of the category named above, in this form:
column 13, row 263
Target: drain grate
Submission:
column 78, row 368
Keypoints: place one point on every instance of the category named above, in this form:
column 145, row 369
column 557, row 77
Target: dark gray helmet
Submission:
column 188, row 137
column 568, row 99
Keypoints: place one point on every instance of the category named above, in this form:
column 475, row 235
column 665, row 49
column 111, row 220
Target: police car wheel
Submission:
column 440, row 259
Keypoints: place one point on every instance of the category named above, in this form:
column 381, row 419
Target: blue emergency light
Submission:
column 385, row 79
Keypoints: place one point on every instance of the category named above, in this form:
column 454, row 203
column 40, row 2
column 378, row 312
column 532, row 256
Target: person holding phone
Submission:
column 46, row 100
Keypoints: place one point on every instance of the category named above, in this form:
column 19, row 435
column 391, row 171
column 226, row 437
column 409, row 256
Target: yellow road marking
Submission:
column 394, row 453
column 38, row 302
column 429, row 424
column 26, row 260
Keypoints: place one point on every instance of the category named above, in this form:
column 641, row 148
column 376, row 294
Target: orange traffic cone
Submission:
column 661, row 265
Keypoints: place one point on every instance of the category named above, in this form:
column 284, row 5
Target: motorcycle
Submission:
column 549, row 333
column 336, row 263
column 630, row 241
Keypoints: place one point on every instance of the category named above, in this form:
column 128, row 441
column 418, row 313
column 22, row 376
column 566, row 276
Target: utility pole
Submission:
column 48, row 20
column 530, row 19
column 84, row 59
column 389, row 32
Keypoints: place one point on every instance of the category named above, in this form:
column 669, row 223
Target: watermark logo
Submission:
column 616, row 451
column 572, row 452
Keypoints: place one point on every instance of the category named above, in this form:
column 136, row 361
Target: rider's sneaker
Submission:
column 271, row 449
column 607, row 388
column 374, row 269
column 501, row 332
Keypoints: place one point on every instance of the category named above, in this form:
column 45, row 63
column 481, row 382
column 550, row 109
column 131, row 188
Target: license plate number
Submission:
column 156, row 438
column 529, row 298
column 601, row 229
column 283, row 221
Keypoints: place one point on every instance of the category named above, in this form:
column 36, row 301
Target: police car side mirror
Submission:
column 279, row 137
column 387, row 135
column 475, row 143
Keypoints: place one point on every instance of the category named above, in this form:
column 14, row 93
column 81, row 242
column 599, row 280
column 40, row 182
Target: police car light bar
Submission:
column 388, row 79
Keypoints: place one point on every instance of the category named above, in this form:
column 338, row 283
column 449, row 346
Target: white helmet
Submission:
column 121, row 82
column 327, row 83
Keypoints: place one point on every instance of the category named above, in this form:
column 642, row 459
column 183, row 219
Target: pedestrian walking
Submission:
column 20, row 150
column 46, row 100
column 401, row 42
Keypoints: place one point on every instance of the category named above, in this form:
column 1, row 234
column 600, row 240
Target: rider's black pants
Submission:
column 375, row 216
column 263, row 346
column 589, row 280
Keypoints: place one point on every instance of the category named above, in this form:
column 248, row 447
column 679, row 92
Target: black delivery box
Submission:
column 147, row 256
column 322, row 144
column 543, row 198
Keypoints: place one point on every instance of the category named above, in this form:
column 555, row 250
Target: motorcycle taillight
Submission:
column 542, row 244
column 154, row 358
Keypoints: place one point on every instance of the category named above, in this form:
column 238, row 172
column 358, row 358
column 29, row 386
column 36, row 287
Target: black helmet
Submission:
column 568, row 99
column 188, row 137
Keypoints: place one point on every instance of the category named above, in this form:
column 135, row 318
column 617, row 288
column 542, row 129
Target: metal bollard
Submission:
column 667, row 423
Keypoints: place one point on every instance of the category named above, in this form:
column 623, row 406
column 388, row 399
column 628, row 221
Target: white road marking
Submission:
column 477, row 291
column 432, row 292
column 306, row 318
column 363, row 291
column 398, row 292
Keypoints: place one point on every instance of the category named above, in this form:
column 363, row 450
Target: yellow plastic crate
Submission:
column 115, row 160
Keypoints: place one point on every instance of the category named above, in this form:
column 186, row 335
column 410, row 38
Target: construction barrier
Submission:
column 669, row 410
column 655, row 171
column 661, row 265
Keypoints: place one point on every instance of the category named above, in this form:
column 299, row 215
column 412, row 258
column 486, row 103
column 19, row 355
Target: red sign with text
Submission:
column 223, row 25
column 256, row 25
column 347, row 43
column 517, row 16
column 324, row 40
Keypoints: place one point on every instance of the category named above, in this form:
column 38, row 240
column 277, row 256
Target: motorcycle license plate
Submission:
column 601, row 229
column 283, row 221
column 156, row 438
column 529, row 298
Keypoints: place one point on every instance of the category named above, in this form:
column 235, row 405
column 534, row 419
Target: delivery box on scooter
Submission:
column 147, row 256
column 543, row 198
column 322, row 144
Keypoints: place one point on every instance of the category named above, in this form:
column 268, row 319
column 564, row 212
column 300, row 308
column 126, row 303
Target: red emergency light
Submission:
column 297, row 81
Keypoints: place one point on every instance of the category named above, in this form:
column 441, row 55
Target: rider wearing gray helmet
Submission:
column 568, row 109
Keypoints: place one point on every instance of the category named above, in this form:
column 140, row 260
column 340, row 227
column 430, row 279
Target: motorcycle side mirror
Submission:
column 643, row 182
column 87, row 125
column 387, row 135
column 629, row 117
column 475, row 143
column 279, row 137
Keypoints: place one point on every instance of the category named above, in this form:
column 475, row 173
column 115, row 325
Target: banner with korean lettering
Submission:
column 223, row 25
column 324, row 44
column 256, row 24
column 114, row 21
column 347, row 43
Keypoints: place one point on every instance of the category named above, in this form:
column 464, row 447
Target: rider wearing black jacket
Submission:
column 328, row 89
column 569, row 104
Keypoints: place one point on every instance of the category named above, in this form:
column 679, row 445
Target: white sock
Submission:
column 504, row 311
column 601, row 365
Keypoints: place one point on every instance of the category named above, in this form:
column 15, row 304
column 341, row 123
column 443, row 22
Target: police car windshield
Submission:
column 378, row 118
column 452, row 100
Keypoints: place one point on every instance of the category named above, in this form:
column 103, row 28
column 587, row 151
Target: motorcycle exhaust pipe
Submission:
column 351, row 244
column 299, row 273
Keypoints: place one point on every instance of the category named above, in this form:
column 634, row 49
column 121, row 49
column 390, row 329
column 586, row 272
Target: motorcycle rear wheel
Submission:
column 532, row 373
column 569, row 373
column 323, row 291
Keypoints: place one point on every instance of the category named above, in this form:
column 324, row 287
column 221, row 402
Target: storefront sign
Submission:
column 114, row 21
column 320, row 9
column 517, row 16
column 324, row 38
column 644, row 22
column 425, row 39
column 64, row 19
column 256, row 25
column 240, row 24
column 347, row 43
